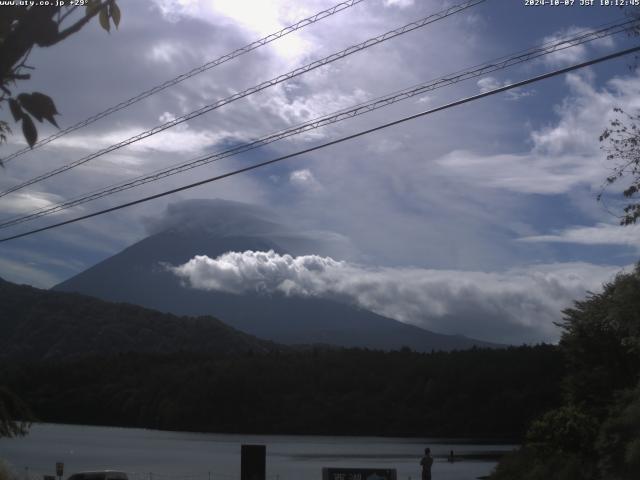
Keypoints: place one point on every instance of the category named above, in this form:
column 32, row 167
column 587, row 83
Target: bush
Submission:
column 596, row 433
column 529, row 463
column 619, row 439
column 566, row 430
column 6, row 471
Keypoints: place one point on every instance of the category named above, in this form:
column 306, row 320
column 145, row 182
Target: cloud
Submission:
column 225, row 218
column 600, row 234
column 564, row 154
column 179, row 139
column 21, row 273
column 582, row 117
column 304, row 180
column 399, row 3
column 487, row 84
column 219, row 216
column 511, row 306
column 26, row 201
column 261, row 19
column 305, row 105
column 164, row 52
column 576, row 54
column 522, row 173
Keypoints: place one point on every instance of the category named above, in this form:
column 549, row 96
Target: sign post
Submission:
column 253, row 462
column 359, row 474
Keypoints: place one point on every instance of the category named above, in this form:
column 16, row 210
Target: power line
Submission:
column 333, row 142
column 180, row 78
column 264, row 85
column 365, row 107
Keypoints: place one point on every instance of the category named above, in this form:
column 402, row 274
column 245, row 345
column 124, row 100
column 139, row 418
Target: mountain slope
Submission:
column 39, row 324
column 136, row 275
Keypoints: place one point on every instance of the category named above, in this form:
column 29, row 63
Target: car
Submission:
column 99, row 475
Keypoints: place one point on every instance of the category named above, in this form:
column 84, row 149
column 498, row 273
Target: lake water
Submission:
column 160, row 455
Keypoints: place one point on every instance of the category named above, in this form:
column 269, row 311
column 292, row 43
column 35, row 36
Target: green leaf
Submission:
column 104, row 19
column 39, row 105
column 92, row 7
column 114, row 13
column 29, row 130
column 16, row 111
column 26, row 100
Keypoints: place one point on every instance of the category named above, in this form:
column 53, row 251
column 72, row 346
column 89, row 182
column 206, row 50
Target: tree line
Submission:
column 478, row 392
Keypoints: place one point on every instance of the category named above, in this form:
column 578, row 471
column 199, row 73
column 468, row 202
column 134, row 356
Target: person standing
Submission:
column 426, row 461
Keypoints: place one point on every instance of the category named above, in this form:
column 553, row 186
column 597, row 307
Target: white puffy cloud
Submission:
column 305, row 180
column 399, row 3
column 510, row 306
column 568, row 56
column 583, row 115
column 487, row 84
column 302, row 106
column 576, row 54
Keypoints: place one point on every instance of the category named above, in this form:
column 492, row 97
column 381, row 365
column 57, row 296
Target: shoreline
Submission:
column 454, row 440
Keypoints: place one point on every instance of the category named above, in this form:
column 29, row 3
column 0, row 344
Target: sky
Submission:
column 480, row 220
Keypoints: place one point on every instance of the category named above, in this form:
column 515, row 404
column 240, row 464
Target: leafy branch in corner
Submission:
column 21, row 29
column 621, row 142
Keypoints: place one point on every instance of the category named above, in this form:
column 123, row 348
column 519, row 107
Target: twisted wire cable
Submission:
column 350, row 112
column 361, row 133
column 180, row 78
column 245, row 93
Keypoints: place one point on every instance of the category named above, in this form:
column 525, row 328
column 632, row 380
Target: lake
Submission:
column 159, row 455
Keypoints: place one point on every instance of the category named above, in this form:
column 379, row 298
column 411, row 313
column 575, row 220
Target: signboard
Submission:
column 253, row 462
column 358, row 474
column 59, row 469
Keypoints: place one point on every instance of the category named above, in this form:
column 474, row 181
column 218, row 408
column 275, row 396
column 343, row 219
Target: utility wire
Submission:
column 333, row 142
column 264, row 85
column 365, row 107
column 180, row 78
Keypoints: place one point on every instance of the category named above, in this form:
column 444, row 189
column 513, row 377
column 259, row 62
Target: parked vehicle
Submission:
column 99, row 475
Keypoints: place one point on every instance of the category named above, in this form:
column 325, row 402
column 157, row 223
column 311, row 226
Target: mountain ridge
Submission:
column 135, row 275
column 40, row 324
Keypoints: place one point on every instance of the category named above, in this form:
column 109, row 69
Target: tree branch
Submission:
column 79, row 24
column 67, row 13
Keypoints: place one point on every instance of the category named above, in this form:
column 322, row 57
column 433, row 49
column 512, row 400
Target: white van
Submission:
column 99, row 475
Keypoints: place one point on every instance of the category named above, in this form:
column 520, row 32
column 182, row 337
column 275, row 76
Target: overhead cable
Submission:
column 365, row 107
column 333, row 142
column 245, row 93
column 180, row 78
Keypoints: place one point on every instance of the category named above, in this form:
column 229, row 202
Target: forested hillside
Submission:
column 478, row 392
column 39, row 324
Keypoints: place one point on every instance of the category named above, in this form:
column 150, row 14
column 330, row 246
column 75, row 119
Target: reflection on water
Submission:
column 159, row 455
